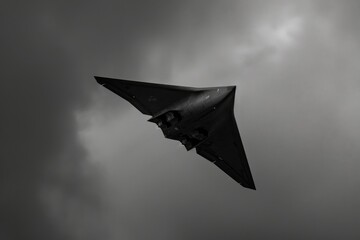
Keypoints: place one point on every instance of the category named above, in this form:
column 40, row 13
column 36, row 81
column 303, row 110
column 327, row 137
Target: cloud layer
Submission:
column 79, row 162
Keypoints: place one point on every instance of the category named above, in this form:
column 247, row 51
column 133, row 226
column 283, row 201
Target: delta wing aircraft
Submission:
column 200, row 118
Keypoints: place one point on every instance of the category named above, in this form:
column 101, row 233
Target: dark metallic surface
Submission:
column 201, row 118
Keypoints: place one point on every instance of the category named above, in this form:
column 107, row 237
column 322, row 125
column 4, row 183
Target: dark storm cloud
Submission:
column 49, row 51
column 40, row 91
column 295, row 112
column 296, row 78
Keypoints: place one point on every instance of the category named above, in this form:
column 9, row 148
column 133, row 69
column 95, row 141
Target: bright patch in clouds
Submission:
column 269, row 40
column 282, row 34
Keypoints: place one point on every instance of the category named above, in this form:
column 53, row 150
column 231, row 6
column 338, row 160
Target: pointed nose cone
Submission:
column 223, row 93
column 230, row 89
column 224, row 90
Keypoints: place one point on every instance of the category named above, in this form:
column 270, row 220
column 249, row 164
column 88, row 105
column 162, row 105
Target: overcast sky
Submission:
column 79, row 162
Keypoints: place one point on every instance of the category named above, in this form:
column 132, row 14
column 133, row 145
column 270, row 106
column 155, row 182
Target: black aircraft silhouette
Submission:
column 201, row 118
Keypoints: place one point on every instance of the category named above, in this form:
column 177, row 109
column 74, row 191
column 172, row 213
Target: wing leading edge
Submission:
column 148, row 98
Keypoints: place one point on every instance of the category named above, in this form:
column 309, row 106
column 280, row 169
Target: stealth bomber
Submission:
column 200, row 118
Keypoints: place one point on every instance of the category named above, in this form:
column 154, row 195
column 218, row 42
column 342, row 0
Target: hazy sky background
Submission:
column 79, row 162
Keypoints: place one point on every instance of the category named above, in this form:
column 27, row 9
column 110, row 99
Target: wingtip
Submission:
column 251, row 187
column 99, row 80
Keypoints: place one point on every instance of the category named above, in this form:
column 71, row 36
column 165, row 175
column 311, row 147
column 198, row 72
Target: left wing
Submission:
column 225, row 149
column 149, row 98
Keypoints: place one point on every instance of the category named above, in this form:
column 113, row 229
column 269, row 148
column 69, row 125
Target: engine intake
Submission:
column 194, row 138
column 199, row 134
column 187, row 142
column 167, row 119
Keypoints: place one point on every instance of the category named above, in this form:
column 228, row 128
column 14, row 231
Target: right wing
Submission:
column 149, row 98
column 225, row 149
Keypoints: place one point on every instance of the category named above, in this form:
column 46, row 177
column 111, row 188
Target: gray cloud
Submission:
column 40, row 91
column 79, row 162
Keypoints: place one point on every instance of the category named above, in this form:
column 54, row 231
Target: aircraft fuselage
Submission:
column 191, row 120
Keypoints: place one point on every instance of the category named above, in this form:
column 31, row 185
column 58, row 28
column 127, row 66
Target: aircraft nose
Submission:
column 223, row 92
column 230, row 89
